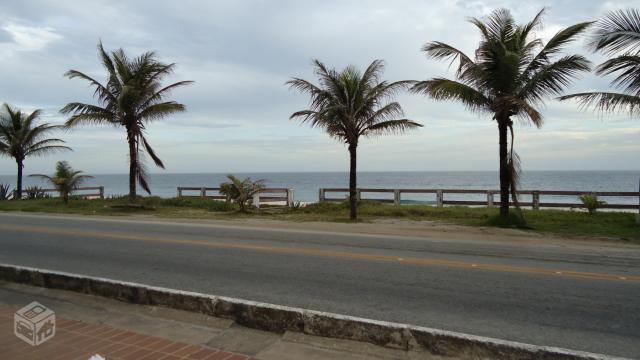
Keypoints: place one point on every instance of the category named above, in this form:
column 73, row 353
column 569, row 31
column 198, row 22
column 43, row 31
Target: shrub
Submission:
column 35, row 192
column 591, row 202
column 241, row 191
column 5, row 192
column 65, row 179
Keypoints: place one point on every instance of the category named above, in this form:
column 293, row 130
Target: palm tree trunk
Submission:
column 19, row 180
column 504, row 170
column 133, row 167
column 353, row 196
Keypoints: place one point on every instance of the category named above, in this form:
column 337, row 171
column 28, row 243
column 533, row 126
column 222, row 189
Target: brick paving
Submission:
column 76, row 340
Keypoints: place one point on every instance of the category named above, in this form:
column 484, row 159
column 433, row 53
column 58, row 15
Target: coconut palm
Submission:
column 618, row 33
column 132, row 97
column 21, row 137
column 241, row 191
column 65, row 179
column 511, row 75
column 351, row 104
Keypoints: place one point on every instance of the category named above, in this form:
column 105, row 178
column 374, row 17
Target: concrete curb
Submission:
column 279, row 319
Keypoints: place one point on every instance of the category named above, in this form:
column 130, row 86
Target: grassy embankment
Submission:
column 602, row 224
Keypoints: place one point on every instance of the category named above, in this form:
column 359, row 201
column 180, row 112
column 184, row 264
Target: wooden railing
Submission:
column 266, row 196
column 490, row 194
column 98, row 192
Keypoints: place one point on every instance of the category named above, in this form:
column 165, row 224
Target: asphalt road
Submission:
column 582, row 298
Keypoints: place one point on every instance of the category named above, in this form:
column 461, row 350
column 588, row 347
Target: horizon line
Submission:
column 359, row 172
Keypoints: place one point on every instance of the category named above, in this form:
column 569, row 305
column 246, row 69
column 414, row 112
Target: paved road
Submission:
column 583, row 298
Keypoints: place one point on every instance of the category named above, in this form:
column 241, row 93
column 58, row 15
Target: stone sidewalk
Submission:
column 80, row 340
column 87, row 325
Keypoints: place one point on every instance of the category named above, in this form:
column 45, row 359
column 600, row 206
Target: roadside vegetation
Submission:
column 508, row 79
column 615, row 225
column 66, row 179
column 350, row 105
column 131, row 98
column 241, row 192
column 510, row 76
column 21, row 137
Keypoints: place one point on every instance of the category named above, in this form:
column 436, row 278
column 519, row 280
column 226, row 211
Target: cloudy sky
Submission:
column 240, row 53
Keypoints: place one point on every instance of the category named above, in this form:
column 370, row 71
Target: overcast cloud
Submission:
column 240, row 53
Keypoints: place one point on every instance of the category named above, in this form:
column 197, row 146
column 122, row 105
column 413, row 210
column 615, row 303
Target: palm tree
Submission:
column 65, row 180
column 618, row 33
column 132, row 97
column 241, row 191
column 21, row 137
column 510, row 76
column 349, row 105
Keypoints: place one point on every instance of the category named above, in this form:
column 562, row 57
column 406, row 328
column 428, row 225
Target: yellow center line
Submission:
column 332, row 254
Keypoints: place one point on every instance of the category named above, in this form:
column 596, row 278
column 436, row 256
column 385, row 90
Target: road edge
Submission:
column 279, row 319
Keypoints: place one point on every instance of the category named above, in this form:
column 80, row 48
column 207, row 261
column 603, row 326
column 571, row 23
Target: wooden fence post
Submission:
column 489, row 198
column 535, row 199
column 290, row 201
column 101, row 189
column 321, row 195
column 396, row 197
column 439, row 198
column 358, row 195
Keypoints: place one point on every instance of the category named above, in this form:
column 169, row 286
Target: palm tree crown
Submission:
column 512, row 73
column 21, row 137
column 618, row 33
column 132, row 97
column 65, row 179
column 351, row 104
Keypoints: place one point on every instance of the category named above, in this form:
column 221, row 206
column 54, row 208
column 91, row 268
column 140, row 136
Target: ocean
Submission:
column 306, row 184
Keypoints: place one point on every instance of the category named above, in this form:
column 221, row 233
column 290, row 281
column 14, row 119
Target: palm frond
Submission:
column 628, row 68
column 152, row 153
column 159, row 94
column 551, row 79
column 46, row 150
column 390, row 127
column 607, row 102
column 441, row 51
column 556, row 45
column 160, row 110
column 618, row 31
column 445, row 89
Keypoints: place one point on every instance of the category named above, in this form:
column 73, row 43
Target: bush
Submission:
column 241, row 192
column 35, row 192
column 5, row 192
column 591, row 202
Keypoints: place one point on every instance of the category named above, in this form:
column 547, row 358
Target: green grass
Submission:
column 573, row 223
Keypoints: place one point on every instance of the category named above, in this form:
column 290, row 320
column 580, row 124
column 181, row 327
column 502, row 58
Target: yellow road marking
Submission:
column 333, row 254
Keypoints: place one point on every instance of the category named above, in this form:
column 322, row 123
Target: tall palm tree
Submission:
column 511, row 74
column 132, row 97
column 618, row 33
column 21, row 137
column 66, row 179
column 351, row 104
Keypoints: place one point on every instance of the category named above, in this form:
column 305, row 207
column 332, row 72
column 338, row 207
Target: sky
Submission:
column 240, row 54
